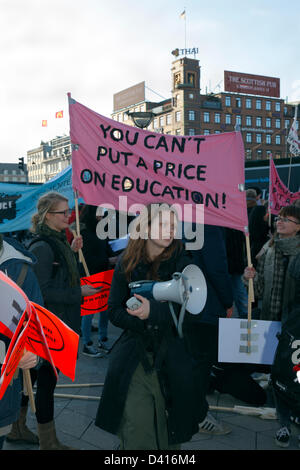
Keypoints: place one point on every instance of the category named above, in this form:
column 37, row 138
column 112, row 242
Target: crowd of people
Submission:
column 157, row 382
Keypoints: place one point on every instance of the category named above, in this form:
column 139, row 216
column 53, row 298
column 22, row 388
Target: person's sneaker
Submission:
column 211, row 426
column 103, row 348
column 89, row 350
column 282, row 437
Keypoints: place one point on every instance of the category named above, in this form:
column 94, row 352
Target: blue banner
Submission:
column 18, row 201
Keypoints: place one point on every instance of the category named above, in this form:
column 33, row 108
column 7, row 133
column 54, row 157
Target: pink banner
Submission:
column 110, row 159
column 279, row 194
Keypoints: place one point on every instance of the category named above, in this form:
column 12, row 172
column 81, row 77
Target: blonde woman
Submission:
column 58, row 275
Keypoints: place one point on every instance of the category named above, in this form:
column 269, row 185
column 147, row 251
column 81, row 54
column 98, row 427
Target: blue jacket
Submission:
column 212, row 260
column 12, row 257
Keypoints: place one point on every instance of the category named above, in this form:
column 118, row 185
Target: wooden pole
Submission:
column 27, row 389
column 250, row 294
column 81, row 257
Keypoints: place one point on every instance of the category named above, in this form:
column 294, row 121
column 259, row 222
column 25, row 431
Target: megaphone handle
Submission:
column 181, row 318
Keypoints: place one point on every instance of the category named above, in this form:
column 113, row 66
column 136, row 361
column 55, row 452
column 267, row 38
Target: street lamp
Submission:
column 141, row 119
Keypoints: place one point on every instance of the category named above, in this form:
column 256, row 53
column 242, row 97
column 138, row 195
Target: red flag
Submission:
column 21, row 340
column 98, row 302
column 59, row 114
column 279, row 194
column 61, row 340
column 44, row 123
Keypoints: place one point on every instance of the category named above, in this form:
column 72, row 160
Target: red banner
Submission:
column 98, row 302
column 279, row 195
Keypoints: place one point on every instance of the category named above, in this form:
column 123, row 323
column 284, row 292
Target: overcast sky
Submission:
column 95, row 48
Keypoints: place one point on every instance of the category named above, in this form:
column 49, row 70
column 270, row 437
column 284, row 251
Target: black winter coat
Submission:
column 157, row 334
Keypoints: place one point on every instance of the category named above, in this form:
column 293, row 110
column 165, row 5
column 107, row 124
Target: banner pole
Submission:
column 27, row 388
column 81, row 257
column 250, row 292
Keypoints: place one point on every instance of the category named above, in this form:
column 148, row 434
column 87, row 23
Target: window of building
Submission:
column 249, row 137
column 238, row 120
column 205, row 116
column 178, row 131
column 258, row 104
column 191, row 96
column 206, row 132
column 248, row 120
column 238, row 102
column 258, row 138
column 191, row 78
column 287, row 123
column 259, row 154
column 277, row 106
column 248, row 103
column 191, row 115
column 268, row 105
column 191, row 132
column 217, row 132
column 227, row 100
column 248, row 154
column 268, row 139
column 155, row 123
column 178, row 116
column 277, row 139
column 268, row 122
column 228, row 119
column 269, row 153
column 169, row 119
column 217, row 118
column 161, row 121
column 258, row 121
column 277, row 123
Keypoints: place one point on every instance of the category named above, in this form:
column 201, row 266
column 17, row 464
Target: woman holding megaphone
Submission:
column 148, row 396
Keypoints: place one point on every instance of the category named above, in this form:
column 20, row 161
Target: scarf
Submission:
column 64, row 248
column 277, row 280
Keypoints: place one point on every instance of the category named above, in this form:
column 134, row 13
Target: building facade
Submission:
column 11, row 173
column 264, row 122
column 49, row 159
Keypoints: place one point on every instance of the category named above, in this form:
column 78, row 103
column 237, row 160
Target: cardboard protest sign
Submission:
column 279, row 194
column 97, row 303
column 233, row 340
column 111, row 159
column 14, row 303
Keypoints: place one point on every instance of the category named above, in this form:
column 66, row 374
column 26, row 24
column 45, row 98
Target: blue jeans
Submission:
column 240, row 295
column 86, row 327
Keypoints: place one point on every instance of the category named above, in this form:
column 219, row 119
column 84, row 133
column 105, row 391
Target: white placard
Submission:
column 233, row 336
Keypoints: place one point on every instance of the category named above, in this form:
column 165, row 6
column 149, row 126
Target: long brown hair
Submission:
column 135, row 251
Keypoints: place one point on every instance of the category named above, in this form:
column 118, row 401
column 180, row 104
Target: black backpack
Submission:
column 58, row 257
column 287, row 355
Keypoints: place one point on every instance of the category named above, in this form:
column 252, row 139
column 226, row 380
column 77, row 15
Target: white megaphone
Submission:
column 188, row 287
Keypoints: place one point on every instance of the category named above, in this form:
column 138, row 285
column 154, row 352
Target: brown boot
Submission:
column 48, row 439
column 20, row 432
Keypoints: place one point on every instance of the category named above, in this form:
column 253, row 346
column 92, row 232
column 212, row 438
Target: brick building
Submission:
column 264, row 121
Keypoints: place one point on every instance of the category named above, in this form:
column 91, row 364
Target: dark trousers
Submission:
column 202, row 341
